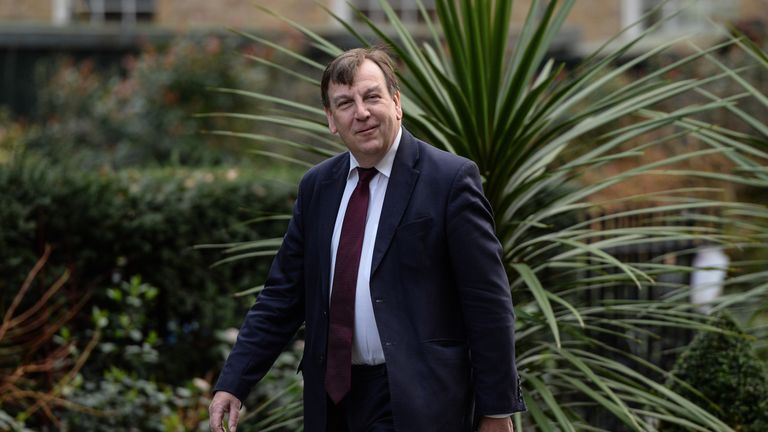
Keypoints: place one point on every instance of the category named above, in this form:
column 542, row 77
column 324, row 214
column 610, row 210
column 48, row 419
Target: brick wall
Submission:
column 753, row 9
column 186, row 14
column 596, row 20
column 25, row 10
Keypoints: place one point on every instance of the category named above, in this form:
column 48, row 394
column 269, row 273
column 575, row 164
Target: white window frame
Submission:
column 61, row 12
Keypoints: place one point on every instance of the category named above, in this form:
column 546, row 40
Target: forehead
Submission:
column 367, row 75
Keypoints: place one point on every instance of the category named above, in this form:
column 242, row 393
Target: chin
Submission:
column 374, row 150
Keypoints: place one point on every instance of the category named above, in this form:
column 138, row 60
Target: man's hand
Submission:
column 223, row 403
column 490, row 424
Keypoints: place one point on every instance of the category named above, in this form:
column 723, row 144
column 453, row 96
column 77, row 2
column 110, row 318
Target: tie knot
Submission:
column 365, row 174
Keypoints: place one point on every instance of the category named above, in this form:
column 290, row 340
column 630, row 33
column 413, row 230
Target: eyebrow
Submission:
column 372, row 89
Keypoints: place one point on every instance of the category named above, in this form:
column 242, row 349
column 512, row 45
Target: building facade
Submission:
column 594, row 21
column 35, row 29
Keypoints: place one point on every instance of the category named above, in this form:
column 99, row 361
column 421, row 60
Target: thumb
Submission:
column 234, row 413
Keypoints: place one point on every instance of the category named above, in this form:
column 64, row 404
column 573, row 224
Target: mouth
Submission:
column 366, row 130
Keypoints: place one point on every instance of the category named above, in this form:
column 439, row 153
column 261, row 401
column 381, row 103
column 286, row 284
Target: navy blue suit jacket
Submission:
column 438, row 287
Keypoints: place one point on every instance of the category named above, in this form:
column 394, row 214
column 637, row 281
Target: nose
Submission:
column 361, row 111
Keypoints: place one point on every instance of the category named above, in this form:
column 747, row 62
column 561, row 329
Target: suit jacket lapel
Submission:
column 329, row 193
column 402, row 179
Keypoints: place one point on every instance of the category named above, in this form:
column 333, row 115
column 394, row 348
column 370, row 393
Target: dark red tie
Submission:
column 341, row 325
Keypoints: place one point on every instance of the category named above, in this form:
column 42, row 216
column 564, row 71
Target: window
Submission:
column 674, row 17
column 120, row 11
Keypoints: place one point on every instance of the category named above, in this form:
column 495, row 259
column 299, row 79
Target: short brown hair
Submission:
column 343, row 68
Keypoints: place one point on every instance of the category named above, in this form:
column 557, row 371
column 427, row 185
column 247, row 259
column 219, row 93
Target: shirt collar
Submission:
column 385, row 164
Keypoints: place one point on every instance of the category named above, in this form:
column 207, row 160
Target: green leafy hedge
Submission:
column 724, row 374
column 106, row 227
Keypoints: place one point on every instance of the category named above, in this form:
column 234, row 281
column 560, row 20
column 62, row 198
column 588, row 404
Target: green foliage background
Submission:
column 110, row 226
column 117, row 176
column 143, row 113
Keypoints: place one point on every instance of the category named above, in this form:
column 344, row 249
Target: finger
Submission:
column 217, row 413
column 234, row 413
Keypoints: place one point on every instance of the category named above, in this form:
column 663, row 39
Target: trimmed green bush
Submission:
column 725, row 376
column 105, row 227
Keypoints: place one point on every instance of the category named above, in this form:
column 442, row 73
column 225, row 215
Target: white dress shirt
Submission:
column 366, row 344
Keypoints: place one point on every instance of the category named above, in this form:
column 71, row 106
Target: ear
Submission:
column 398, row 107
column 331, row 122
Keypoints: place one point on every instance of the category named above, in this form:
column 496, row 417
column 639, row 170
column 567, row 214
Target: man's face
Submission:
column 365, row 115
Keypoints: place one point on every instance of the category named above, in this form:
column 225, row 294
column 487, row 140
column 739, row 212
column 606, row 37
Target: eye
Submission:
column 343, row 104
column 373, row 97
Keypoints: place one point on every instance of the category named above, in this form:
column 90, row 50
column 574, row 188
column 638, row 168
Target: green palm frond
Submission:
column 476, row 88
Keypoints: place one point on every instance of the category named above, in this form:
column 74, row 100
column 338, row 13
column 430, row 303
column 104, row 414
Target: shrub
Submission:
column 121, row 401
column 116, row 390
column 105, row 226
column 145, row 112
column 11, row 136
column 35, row 362
column 725, row 376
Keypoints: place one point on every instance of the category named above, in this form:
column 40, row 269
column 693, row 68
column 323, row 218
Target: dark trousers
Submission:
column 366, row 408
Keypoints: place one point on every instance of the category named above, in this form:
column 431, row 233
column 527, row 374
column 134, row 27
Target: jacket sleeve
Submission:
column 274, row 318
column 476, row 261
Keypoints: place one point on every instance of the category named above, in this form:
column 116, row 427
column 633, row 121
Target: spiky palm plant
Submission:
column 524, row 120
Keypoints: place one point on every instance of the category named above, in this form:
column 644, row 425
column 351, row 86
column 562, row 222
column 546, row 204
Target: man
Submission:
column 391, row 262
